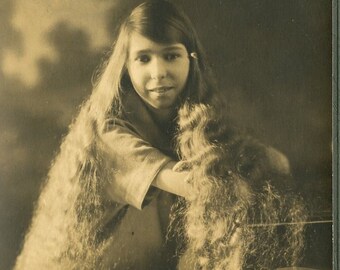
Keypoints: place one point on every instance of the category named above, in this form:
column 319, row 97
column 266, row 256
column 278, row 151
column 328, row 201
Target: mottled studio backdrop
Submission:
column 272, row 60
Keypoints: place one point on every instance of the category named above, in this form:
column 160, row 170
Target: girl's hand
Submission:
column 181, row 166
column 173, row 181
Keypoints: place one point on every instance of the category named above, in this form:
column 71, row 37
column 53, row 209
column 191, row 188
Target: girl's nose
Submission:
column 158, row 69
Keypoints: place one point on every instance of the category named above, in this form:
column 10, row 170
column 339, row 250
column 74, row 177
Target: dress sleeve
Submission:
column 134, row 164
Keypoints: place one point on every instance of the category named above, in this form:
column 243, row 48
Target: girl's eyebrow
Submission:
column 168, row 48
column 174, row 47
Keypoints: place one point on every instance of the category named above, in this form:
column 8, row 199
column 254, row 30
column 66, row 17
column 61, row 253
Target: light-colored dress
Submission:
column 137, row 149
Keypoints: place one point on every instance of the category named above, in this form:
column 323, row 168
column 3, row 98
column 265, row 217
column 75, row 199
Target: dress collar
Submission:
column 140, row 117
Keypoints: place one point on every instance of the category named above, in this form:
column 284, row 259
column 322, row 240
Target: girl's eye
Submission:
column 171, row 56
column 143, row 58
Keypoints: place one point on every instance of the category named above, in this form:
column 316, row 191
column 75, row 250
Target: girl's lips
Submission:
column 161, row 89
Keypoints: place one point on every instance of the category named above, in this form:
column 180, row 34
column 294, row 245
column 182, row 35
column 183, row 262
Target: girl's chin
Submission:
column 163, row 105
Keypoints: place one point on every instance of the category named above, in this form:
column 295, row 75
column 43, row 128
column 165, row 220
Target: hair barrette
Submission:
column 194, row 55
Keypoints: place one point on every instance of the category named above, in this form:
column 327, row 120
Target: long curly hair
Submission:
column 234, row 183
column 239, row 198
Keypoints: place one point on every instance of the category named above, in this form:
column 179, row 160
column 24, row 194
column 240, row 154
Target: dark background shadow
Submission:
column 273, row 63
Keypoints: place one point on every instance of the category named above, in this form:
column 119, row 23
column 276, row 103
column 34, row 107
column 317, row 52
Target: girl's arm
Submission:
column 172, row 181
column 134, row 168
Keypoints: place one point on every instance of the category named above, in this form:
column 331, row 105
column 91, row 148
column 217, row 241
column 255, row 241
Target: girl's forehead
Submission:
column 139, row 43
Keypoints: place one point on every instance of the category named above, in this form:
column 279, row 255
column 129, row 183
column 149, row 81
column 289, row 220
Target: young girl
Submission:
column 150, row 151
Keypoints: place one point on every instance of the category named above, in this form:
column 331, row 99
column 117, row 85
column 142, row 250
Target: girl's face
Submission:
column 158, row 72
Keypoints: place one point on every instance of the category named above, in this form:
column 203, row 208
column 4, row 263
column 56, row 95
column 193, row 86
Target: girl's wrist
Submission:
column 172, row 181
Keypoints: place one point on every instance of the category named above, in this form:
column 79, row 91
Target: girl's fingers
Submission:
column 181, row 166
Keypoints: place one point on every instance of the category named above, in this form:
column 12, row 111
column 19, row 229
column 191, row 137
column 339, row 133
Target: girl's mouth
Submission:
column 161, row 89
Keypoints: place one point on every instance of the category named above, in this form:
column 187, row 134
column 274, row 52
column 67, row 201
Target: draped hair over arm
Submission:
column 237, row 197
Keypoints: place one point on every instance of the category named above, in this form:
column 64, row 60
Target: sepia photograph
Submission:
column 166, row 134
